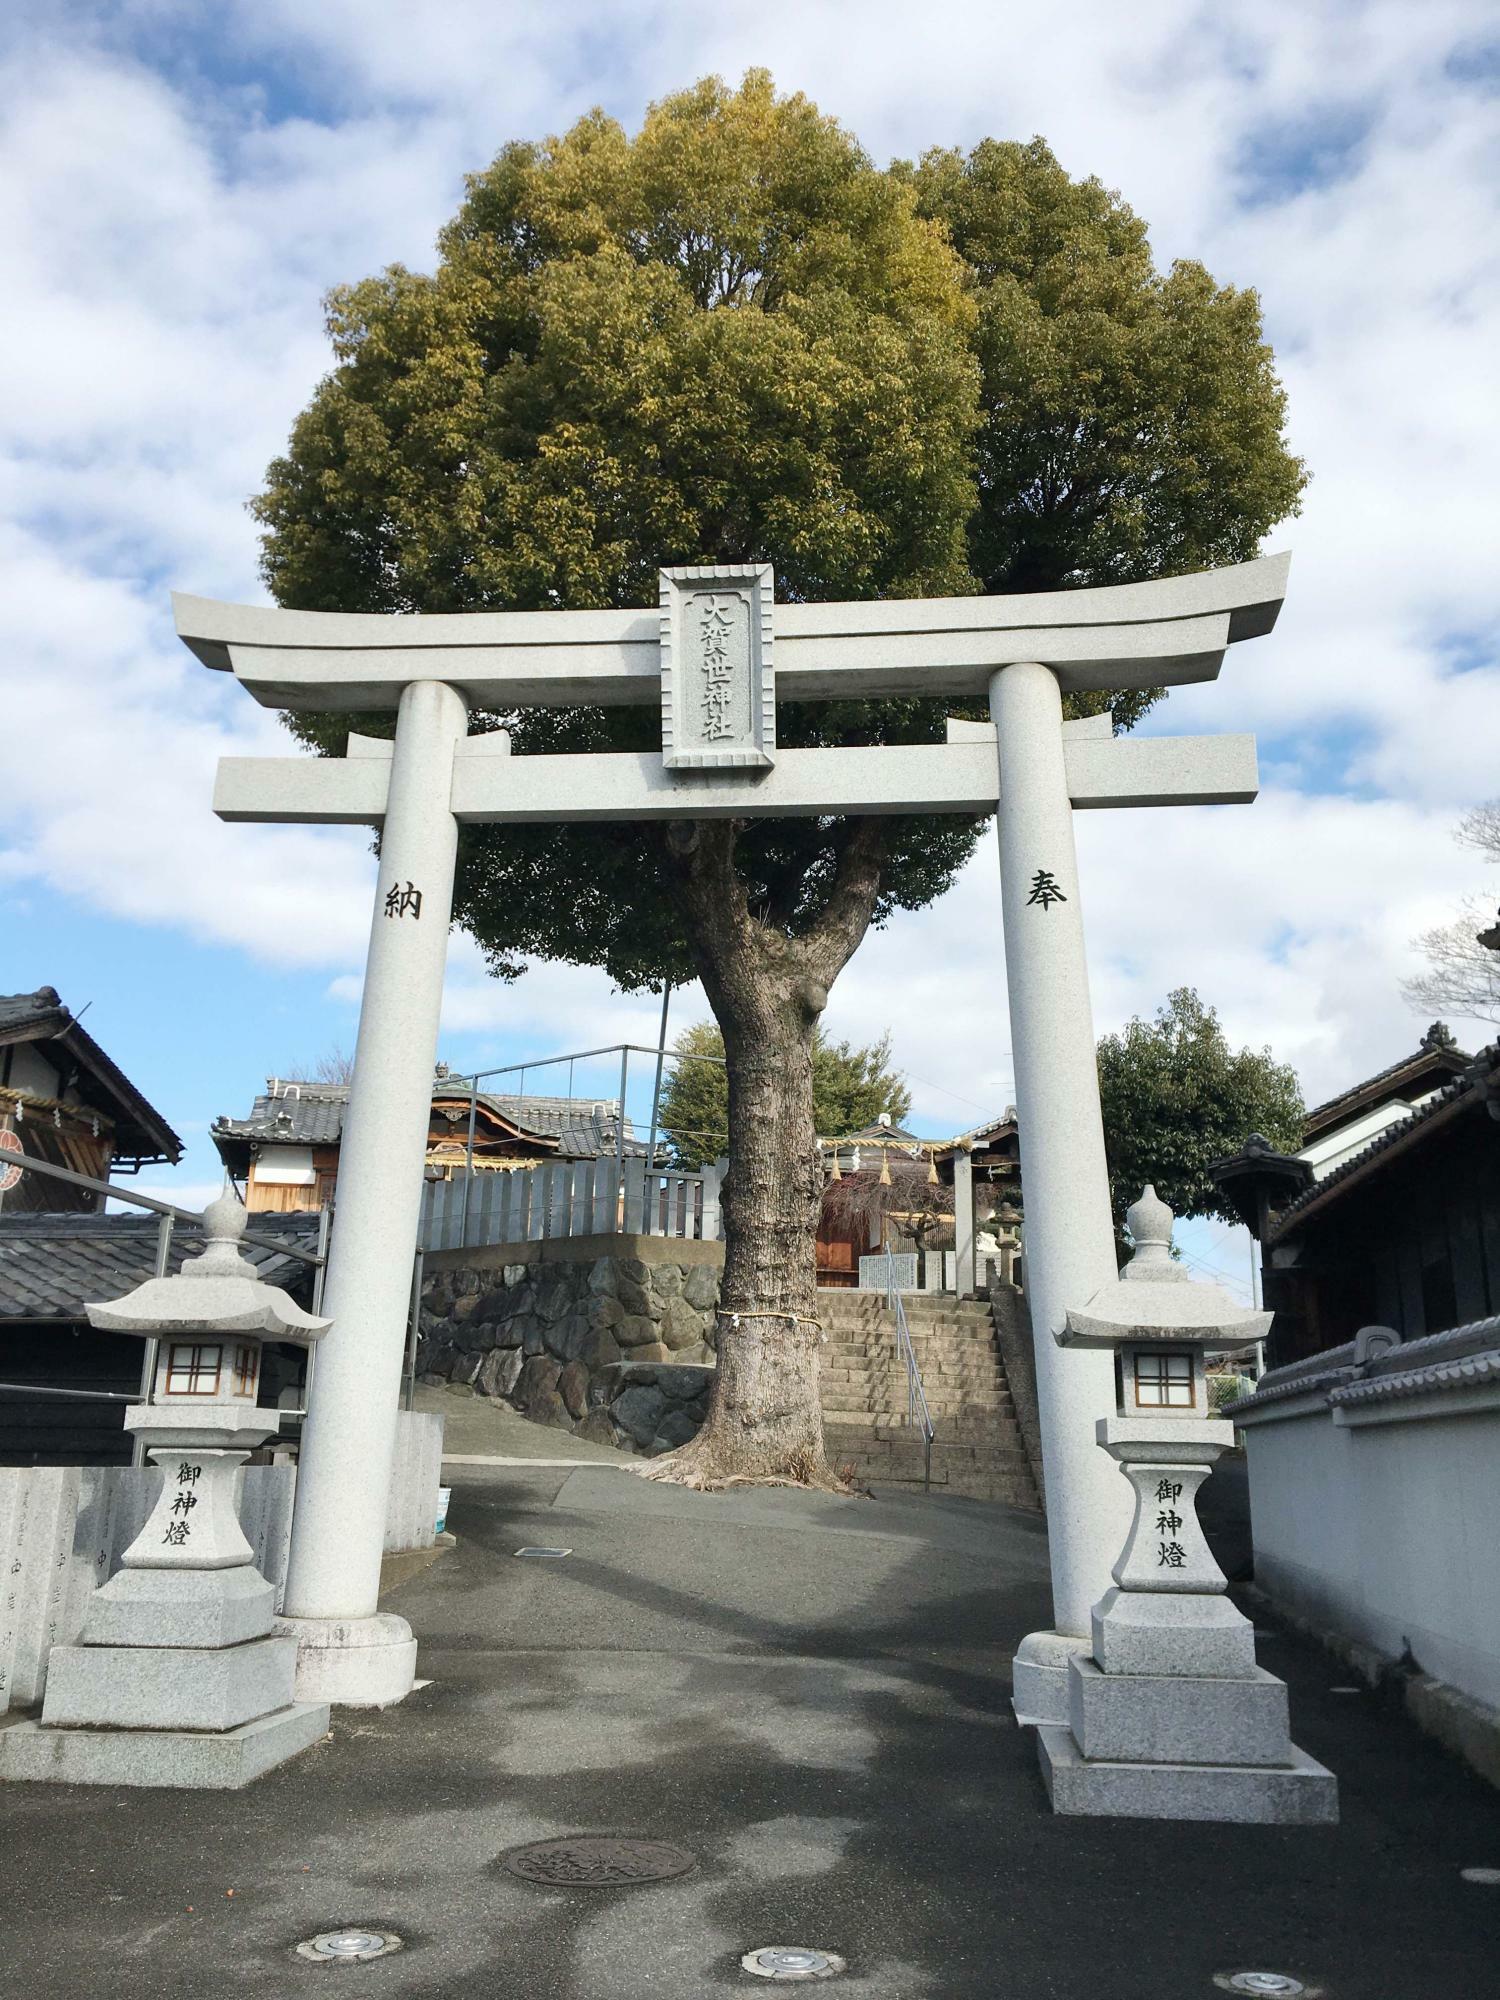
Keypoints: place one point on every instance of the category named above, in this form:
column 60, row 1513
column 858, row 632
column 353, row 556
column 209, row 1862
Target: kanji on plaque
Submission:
column 718, row 708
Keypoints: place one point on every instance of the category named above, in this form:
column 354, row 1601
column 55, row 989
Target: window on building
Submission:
column 1164, row 1381
column 193, row 1370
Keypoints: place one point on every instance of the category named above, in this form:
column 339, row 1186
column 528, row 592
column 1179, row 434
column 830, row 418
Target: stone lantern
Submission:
column 177, row 1678
column 1171, row 1718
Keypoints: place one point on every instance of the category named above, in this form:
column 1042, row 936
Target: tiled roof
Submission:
column 312, row 1114
column 51, row 1266
column 142, row 1135
column 1462, row 1357
column 977, row 1133
column 1471, row 1372
column 878, row 1135
column 1484, row 1066
column 41, row 1010
column 1437, row 1050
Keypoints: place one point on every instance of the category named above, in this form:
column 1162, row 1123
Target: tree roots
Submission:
column 695, row 1468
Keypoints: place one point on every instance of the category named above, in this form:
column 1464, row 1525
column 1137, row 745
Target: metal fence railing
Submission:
column 624, row 1050
column 916, row 1396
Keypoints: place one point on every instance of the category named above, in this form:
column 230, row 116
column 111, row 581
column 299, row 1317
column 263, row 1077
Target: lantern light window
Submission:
column 1164, row 1381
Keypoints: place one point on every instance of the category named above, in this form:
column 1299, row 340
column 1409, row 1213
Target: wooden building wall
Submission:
column 1417, row 1247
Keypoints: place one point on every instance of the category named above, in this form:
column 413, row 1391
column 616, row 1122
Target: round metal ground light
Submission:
column 597, row 1861
column 348, row 1947
column 1268, row 1983
column 791, row 1961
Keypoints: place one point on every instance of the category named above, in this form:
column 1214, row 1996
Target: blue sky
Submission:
column 180, row 186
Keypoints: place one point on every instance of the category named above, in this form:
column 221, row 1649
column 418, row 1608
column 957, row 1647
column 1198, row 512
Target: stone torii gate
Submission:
column 715, row 655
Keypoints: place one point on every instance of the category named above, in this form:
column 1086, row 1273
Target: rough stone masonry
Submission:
column 608, row 1337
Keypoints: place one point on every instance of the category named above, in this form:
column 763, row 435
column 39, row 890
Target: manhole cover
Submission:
column 347, row 1947
column 791, row 1961
column 1259, row 1982
column 597, row 1861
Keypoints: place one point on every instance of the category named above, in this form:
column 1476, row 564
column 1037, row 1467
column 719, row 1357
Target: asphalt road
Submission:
column 809, row 1694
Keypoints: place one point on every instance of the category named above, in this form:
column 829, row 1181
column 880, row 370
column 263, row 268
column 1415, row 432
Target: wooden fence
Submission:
column 573, row 1198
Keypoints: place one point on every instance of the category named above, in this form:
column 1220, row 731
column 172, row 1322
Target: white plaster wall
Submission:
column 1387, row 1533
column 30, row 1070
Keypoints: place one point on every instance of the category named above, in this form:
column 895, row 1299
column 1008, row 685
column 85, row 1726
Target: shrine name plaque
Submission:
column 718, row 688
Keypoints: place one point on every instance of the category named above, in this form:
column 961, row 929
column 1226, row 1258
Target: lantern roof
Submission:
column 217, row 1292
column 1154, row 1298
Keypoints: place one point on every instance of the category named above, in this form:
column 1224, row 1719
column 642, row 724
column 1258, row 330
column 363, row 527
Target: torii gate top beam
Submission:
column 1160, row 634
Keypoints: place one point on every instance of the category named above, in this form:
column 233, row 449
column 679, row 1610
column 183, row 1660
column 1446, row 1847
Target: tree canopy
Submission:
column 733, row 337
column 1175, row 1096
column 850, row 1086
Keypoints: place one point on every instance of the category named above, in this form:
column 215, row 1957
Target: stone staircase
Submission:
column 977, row 1446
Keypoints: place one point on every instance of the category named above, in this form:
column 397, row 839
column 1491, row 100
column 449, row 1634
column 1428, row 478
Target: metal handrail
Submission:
column 81, row 1395
column 189, row 1219
column 916, row 1395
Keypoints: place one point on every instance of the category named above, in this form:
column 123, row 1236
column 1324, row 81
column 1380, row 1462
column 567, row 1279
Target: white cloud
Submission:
column 1291, row 917
column 169, row 230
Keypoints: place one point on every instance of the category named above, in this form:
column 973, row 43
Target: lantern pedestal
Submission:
column 1171, row 1718
column 179, row 1677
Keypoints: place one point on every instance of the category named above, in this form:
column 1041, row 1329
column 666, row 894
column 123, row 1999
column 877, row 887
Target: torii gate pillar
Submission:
column 1069, row 1230
column 348, row 1650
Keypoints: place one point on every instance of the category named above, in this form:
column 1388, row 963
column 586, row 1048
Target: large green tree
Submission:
column 850, row 1089
column 733, row 337
column 1176, row 1096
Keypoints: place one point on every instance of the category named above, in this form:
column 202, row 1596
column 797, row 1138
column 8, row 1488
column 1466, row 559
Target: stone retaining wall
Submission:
column 608, row 1336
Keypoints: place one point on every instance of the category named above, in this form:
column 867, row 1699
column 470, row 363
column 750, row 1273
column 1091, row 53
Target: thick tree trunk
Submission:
column 767, row 990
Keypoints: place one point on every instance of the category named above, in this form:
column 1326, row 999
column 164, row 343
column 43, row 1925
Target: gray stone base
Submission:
column 1168, row 1718
column 168, row 1687
column 1301, row 1793
column 353, row 1662
column 1162, row 1632
column 182, row 1607
column 1039, row 1677
column 173, row 1757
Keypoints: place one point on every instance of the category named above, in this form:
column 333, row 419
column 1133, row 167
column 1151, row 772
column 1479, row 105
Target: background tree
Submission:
column 733, row 337
column 1175, row 1096
column 1463, row 974
column 335, row 1065
column 850, row 1089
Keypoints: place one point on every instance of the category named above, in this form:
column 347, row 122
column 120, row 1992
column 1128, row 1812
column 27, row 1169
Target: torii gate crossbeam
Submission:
column 716, row 655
